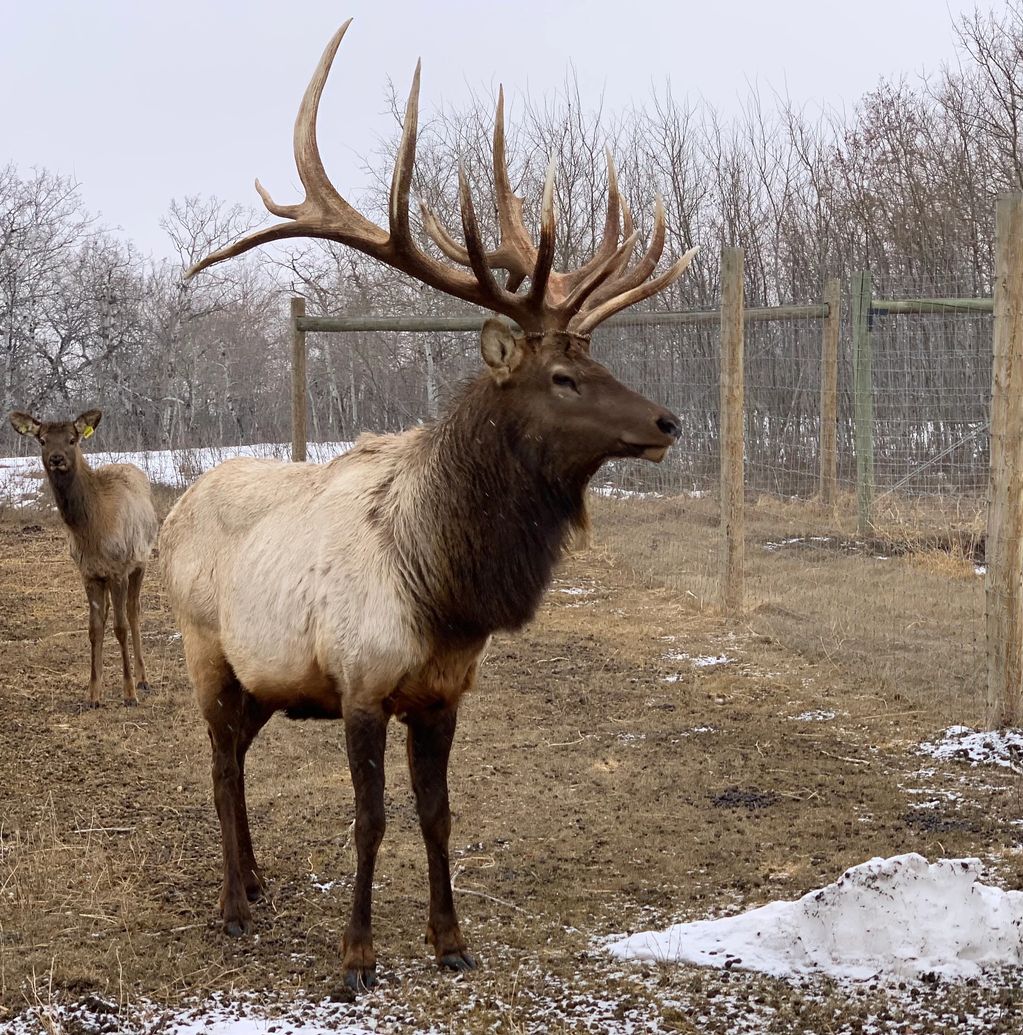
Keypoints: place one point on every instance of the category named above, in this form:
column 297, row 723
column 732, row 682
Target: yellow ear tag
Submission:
column 88, row 432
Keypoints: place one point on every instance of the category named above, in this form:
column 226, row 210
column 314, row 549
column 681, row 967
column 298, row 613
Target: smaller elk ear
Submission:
column 86, row 423
column 500, row 349
column 25, row 423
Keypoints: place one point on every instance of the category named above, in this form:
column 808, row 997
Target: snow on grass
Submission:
column 21, row 477
column 818, row 715
column 979, row 747
column 887, row 919
column 700, row 662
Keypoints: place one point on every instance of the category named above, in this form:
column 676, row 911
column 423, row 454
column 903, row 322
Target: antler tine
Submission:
column 473, row 242
column 404, row 166
column 623, row 281
column 609, row 243
column 545, row 252
column 582, row 290
column 517, row 252
column 438, row 233
column 585, row 322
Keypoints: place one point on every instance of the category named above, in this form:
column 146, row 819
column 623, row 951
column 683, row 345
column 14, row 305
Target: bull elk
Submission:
column 111, row 524
column 368, row 587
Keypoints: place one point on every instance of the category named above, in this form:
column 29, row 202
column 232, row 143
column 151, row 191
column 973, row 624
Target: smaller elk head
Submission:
column 59, row 439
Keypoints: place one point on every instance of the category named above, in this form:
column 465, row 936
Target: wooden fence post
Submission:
column 1003, row 582
column 863, row 397
column 732, row 421
column 299, row 390
column 829, row 393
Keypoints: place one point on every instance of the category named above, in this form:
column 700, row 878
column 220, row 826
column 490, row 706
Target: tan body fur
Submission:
column 280, row 570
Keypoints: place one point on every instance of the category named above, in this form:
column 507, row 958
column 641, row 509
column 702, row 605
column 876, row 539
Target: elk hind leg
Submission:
column 430, row 733
column 134, row 616
column 119, row 603
column 253, row 718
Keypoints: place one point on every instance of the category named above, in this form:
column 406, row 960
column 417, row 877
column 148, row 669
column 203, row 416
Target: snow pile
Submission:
column 21, row 477
column 888, row 918
column 996, row 747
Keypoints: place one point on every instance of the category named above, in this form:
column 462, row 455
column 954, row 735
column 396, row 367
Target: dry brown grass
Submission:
column 585, row 802
column 902, row 609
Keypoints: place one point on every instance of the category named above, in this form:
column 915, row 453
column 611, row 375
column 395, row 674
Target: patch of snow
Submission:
column 576, row 591
column 887, row 919
column 614, row 492
column 819, row 715
column 717, row 659
column 699, row 662
column 979, row 747
column 980, row 569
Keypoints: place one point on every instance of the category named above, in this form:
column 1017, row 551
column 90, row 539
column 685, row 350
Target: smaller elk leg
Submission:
column 430, row 734
column 119, row 603
column 134, row 615
column 254, row 718
column 366, row 737
column 96, row 593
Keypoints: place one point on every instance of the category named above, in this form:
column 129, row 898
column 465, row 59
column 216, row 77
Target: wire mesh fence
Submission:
column 903, row 603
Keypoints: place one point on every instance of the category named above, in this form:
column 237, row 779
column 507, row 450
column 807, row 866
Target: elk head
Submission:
column 58, row 439
column 547, row 368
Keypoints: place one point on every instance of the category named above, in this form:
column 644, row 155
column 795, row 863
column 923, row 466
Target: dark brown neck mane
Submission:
column 494, row 513
column 73, row 492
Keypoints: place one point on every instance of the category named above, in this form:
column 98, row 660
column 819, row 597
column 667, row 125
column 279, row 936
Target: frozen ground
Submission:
column 890, row 919
column 21, row 476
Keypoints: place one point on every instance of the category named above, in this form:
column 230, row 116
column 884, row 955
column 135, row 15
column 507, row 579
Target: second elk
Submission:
column 111, row 526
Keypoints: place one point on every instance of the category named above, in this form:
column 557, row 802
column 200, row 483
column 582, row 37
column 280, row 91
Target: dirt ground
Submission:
column 598, row 787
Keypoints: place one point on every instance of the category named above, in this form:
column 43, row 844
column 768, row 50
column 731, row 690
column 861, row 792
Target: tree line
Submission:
column 904, row 185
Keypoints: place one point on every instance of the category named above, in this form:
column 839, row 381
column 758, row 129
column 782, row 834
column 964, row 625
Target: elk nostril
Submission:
column 669, row 425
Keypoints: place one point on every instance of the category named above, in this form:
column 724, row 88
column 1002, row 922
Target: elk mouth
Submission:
column 654, row 452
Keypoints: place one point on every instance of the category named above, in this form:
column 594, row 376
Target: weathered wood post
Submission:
column 863, row 397
column 299, row 390
column 829, row 392
column 732, row 420
column 1003, row 582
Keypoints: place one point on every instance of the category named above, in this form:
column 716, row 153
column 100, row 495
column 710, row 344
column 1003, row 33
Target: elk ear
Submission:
column 501, row 350
column 86, row 423
column 25, row 423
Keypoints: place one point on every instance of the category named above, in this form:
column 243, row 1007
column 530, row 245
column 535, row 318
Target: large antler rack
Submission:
column 576, row 300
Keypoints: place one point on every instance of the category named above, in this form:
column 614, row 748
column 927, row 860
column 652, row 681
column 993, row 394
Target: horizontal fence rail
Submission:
column 667, row 318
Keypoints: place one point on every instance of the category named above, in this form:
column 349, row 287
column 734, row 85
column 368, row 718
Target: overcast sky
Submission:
column 142, row 102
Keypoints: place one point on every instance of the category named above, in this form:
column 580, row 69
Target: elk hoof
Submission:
column 237, row 928
column 131, row 702
column 460, row 960
column 143, row 687
column 88, row 706
column 360, row 978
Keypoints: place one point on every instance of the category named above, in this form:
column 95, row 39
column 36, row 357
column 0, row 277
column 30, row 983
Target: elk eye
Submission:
column 564, row 381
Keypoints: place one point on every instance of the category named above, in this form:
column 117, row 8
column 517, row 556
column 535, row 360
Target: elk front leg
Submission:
column 134, row 615
column 366, row 737
column 96, row 594
column 429, row 745
column 119, row 603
